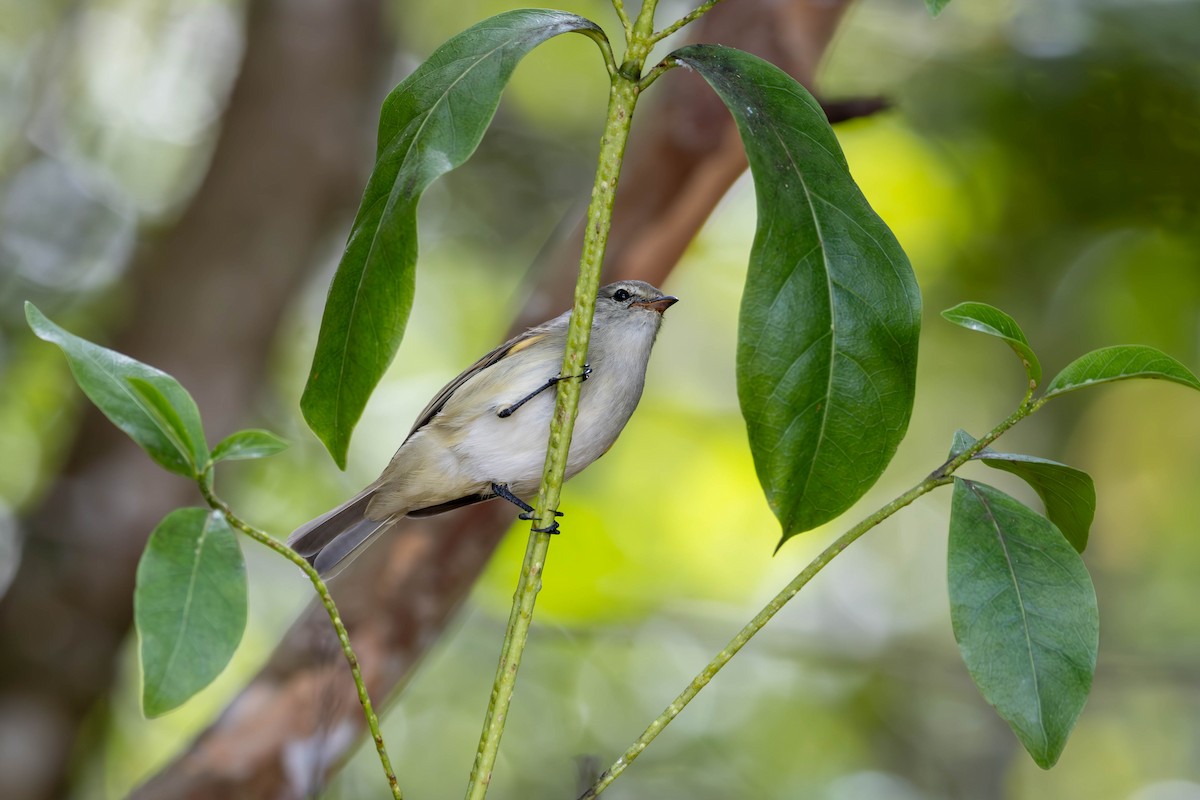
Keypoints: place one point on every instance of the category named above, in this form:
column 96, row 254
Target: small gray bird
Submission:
column 484, row 435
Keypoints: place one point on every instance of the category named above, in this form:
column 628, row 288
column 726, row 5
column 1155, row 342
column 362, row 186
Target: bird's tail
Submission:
column 329, row 541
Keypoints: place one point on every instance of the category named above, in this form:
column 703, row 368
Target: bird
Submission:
column 484, row 435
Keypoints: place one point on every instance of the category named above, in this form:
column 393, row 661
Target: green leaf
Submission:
column 1024, row 614
column 994, row 322
column 187, row 435
column 1119, row 363
column 246, row 444
column 935, row 6
column 1068, row 493
column 430, row 124
column 189, row 606
column 147, row 404
column 827, row 340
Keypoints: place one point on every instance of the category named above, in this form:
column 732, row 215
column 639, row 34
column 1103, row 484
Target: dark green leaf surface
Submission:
column 994, row 322
column 1068, row 493
column 1122, row 362
column 430, row 124
column 935, row 6
column 247, row 444
column 827, row 340
column 189, row 606
column 1024, row 614
column 160, row 416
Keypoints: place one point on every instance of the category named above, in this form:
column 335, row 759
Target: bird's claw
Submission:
column 529, row 515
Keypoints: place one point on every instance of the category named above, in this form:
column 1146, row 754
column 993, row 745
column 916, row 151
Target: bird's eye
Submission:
column 620, row 295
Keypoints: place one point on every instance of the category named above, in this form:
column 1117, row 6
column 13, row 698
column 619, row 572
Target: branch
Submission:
column 939, row 477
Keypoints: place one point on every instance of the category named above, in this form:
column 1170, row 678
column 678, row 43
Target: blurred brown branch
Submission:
column 396, row 603
column 208, row 300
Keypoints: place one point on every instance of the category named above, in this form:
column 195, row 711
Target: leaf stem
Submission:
column 684, row 20
column 335, row 617
column 622, row 99
column 939, row 477
column 654, row 74
column 610, row 61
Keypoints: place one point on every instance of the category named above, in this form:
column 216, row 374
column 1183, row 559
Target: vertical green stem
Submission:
column 334, row 616
column 621, row 102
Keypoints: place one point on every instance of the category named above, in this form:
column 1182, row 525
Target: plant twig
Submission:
column 654, row 74
column 684, row 20
column 623, row 97
column 619, row 7
column 334, row 616
column 939, row 477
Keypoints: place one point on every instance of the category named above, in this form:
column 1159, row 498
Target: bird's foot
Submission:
column 529, row 515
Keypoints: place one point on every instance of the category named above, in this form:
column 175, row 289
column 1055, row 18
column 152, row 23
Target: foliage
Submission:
column 1024, row 614
column 827, row 345
column 827, row 359
column 189, row 606
column 430, row 124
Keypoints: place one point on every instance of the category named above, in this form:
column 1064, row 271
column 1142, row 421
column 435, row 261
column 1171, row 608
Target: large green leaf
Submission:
column 994, row 322
column 1068, row 493
column 1119, row 363
column 430, row 124
column 1024, row 614
column 252, row 443
column 189, row 606
column 827, row 340
column 146, row 403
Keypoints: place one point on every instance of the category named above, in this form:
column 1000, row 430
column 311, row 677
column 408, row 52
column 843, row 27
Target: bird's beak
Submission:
column 659, row 304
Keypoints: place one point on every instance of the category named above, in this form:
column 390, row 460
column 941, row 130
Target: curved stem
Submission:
column 610, row 61
column 330, row 608
column 939, row 477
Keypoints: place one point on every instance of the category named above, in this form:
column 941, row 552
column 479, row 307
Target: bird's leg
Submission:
column 507, row 411
column 501, row 491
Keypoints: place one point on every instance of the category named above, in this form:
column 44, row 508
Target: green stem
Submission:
column 619, row 7
column 610, row 61
column 1027, row 407
column 330, row 608
column 622, row 100
column 939, row 477
column 684, row 20
column 656, row 73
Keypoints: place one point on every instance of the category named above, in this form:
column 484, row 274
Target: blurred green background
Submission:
column 1042, row 156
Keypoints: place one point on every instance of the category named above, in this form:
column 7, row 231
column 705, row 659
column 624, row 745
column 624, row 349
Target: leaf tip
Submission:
column 314, row 413
column 37, row 321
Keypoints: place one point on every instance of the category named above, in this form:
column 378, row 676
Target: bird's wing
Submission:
column 513, row 345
